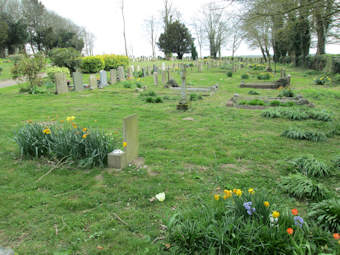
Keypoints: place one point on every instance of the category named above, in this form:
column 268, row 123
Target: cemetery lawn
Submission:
column 105, row 211
column 5, row 74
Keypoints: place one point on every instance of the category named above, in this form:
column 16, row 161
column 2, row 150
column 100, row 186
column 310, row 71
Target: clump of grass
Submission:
column 320, row 115
column 195, row 97
column 230, row 74
column 310, row 166
column 327, row 214
column 286, row 93
column 302, row 187
column 252, row 102
column 336, row 163
column 253, row 92
column 294, row 114
column 298, row 114
column 245, row 76
column 86, row 148
column 127, row 84
column 298, row 134
column 272, row 113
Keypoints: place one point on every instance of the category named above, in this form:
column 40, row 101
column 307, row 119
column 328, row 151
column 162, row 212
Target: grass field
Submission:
column 105, row 211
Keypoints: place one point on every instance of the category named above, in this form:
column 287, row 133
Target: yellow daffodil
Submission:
column 84, row 130
column 227, row 194
column 266, row 204
column 234, row 190
column 29, row 121
column 124, row 144
column 74, row 125
column 62, row 121
column 71, row 118
column 251, row 191
column 238, row 192
column 47, row 131
column 217, row 197
column 85, row 135
column 276, row 214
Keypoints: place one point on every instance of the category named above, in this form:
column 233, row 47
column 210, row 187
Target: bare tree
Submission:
column 199, row 33
column 124, row 28
column 89, row 39
column 151, row 28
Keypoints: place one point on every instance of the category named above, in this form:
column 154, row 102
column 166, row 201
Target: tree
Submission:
column 66, row 57
column 194, row 54
column 124, row 28
column 175, row 39
column 152, row 34
column 199, row 34
column 3, row 36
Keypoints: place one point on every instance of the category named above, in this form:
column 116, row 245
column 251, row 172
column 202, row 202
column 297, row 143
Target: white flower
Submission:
column 160, row 197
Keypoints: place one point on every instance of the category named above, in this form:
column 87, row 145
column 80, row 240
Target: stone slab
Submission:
column 77, row 81
column 130, row 132
column 61, row 83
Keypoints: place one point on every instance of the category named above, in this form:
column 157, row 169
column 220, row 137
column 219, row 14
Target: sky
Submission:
column 103, row 18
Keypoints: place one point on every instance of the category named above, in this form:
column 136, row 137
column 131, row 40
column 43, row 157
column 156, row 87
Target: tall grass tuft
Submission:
column 85, row 148
column 298, row 134
column 302, row 187
column 311, row 167
column 327, row 214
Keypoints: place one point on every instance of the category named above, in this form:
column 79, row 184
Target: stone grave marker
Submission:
column 155, row 78
column 77, row 81
column 113, row 76
column 143, row 71
column 163, row 77
column 183, row 103
column 121, row 73
column 130, row 73
column 61, row 84
column 93, row 81
column 103, row 79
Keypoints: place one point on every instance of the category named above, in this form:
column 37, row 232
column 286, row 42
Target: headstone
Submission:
column 163, row 66
column 61, row 84
column 163, row 77
column 183, row 103
column 130, row 133
column 138, row 69
column 130, row 74
column 103, row 79
column 121, row 73
column 155, row 68
column 113, row 76
column 93, row 81
column 133, row 68
column 155, row 78
column 148, row 70
column 200, row 67
column 78, row 81
column 143, row 71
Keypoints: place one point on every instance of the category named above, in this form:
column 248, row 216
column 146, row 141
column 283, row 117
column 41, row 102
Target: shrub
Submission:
column 158, row 100
column 92, row 64
column 257, row 67
column 310, row 166
column 263, row 76
column 114, row 61
column 256, row 102
column 86, row 148
column 271, row 113
column 320, row 115
column 29, row 68
column 275, row 103
column 150, row 100
column 327, row 214
column 65, row 57
column 245, row 76
column 286, row 93
column 226, row 227
column 127, row 84
column 298, row 134
column 336, row 78
column 302, row 187
column 230, row 74
column 322, row 80
column 51, row 71
column 253, row 92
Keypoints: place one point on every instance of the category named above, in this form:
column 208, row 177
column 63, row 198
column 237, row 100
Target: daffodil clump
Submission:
column 65, row 140
column 323, row 80
column 250, row 221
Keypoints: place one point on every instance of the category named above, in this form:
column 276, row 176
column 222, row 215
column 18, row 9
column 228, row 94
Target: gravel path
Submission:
column 9, row 83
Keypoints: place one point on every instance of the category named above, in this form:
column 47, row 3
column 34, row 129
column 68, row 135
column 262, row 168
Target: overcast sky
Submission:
column 103, row 18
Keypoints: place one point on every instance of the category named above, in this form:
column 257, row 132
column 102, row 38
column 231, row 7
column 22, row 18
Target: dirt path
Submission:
column 9, row 83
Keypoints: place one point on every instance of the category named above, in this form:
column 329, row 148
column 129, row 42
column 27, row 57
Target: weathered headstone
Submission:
column 130, row 74
column 130, row 133
column 93, row 81
column 183, row 103
column 163, row 77
column 78, row 81
column 113, row 76
column 163, row 66
column 155, row 78
column 143, row 71
column 121, row 73
column 103, row 79
column 61, row 84
column 200, row 67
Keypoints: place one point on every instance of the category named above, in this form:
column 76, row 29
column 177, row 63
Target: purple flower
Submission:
column 248, row 207
column 298, row 221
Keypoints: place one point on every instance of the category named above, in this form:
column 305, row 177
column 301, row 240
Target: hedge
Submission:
column 94, row 64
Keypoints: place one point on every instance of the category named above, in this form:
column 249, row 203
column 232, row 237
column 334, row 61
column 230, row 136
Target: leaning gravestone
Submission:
column 61, row 84
column 120, row 159
column 113, row 76
column 103, row 79
column 93, row 81
column 78, row 81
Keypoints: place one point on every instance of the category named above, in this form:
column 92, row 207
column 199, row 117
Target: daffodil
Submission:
column 124, row 144
column 47, row 131
column 74, row 125
column 266, row 204
column 70, row 118
column 227, row 194
column 238, row 193
column 84, row 136
column 217, row 197
column 251, row 191
column 276, row 214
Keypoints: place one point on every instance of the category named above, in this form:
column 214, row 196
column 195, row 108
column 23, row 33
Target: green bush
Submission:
column 271, row 113
column 158, row 100
column 310, row 166
column 298, row 134
column 65, row 57
column 127, row 84
column 245, row 76
column 327, row 214
column 114, row 61
column 286, row 93
column 66, row 143
column 253, row 92
column 323, row 80
column 230, row 74
column 257, row 67
column 302, row 187
column 92, row 64
column 150, row 100
column 51, row 71
column 263, row 76
column 256, row 102
column 226, row 227
column 275, row 103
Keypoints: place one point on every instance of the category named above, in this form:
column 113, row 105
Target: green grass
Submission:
column 75, row 210
column 6, row 71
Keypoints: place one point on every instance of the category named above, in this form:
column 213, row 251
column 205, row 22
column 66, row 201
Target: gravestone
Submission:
column 121, row 73
column 113, row 76
column 93, row 81
column 155, row 78
column 120, row 159
column 130, row 74
column 143, row 71
column 61, row 84
column 200, row 67
column 163, row 77
column 133, row 68
column 103, row 79
column 77, row 81
column 148, row 70
column 183, row 103
column 163, row 66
